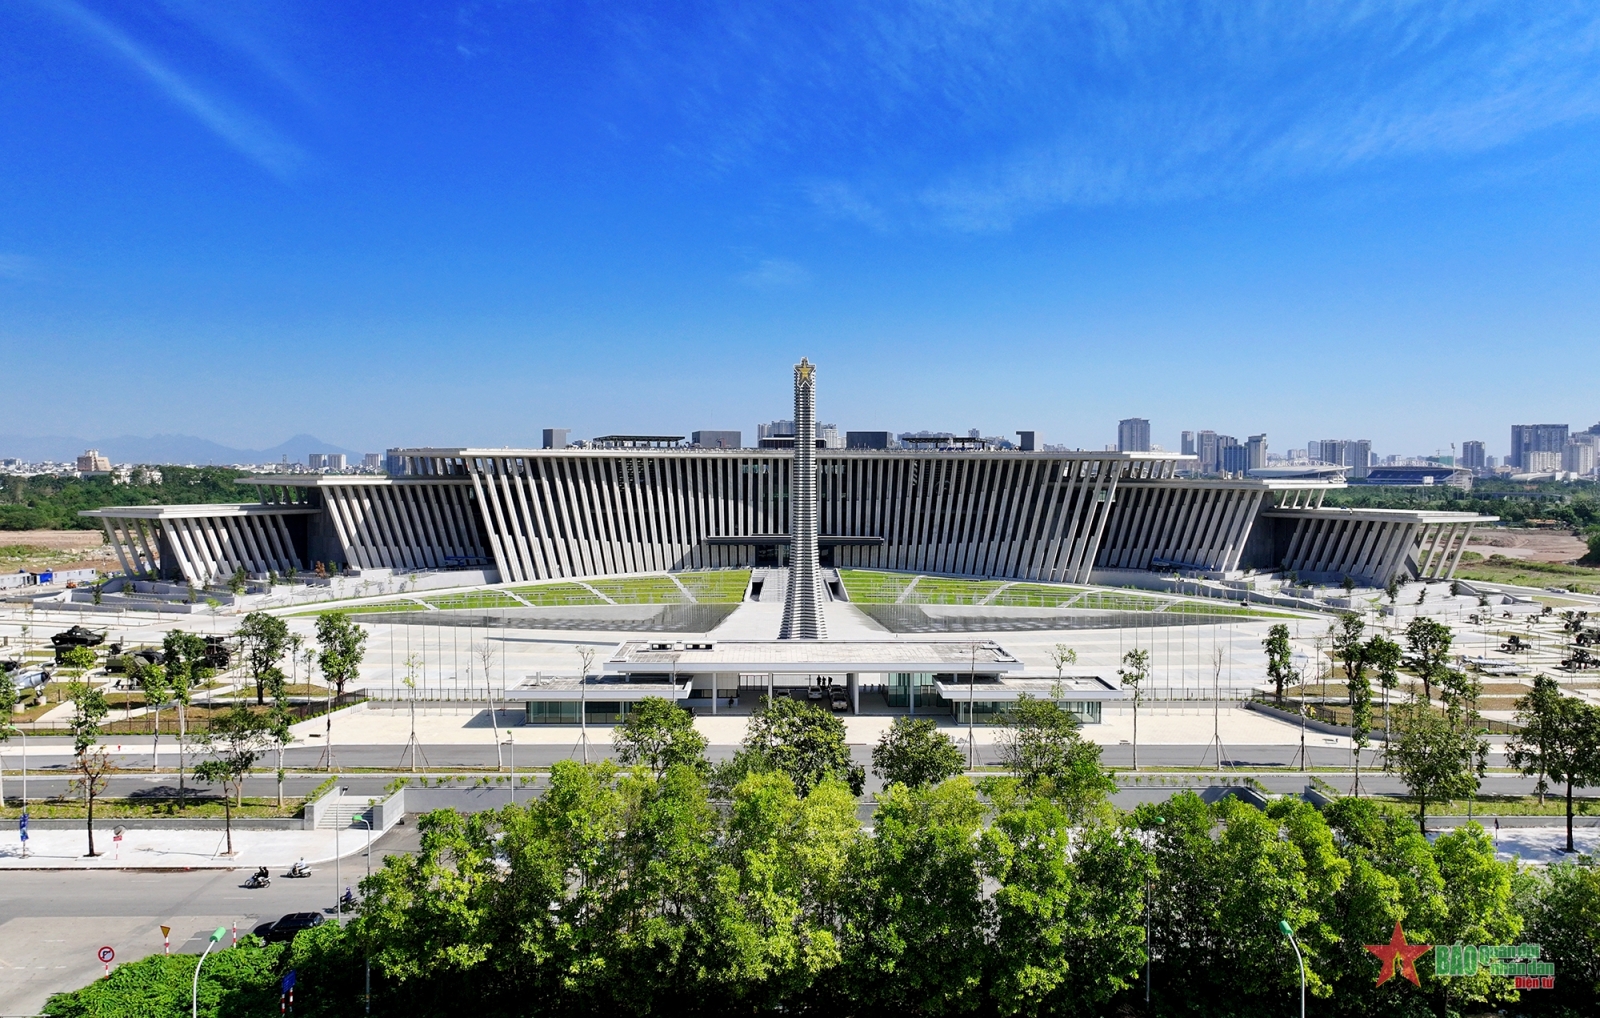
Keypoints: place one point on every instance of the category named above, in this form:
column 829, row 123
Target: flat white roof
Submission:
column 810, row 657
column 210, row 510
column 600, row 689
column 1042, row 687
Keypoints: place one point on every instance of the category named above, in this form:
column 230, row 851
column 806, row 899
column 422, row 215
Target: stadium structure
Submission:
column 519, row 515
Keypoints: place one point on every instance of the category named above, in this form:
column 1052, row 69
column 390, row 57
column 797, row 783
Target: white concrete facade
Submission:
column 573, row 513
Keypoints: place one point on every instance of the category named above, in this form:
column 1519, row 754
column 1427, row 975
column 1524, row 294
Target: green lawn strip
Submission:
column 717, row 587
column 870, row 587
column 550, row 595
column 210, row 807
column 1503, row 805
column 640, row 590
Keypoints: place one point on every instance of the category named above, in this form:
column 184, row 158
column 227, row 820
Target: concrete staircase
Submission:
column 343, row 811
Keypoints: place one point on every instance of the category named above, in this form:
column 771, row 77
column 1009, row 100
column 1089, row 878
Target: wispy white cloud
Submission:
column 776, row 274
column 247, row 134
column 972, row 114
column 249, row 31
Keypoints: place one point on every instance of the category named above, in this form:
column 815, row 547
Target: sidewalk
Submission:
column 176, row 849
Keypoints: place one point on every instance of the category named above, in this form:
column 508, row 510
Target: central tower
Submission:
column 802, row 611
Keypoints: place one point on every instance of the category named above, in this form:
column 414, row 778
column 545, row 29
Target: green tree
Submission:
column 801, row 740
column 8, row 704
column 264, row 639
column 790, row 855
column 914, row 912
column 1460, row 692
column 279, row 736
column 1066, row 911
column 1135, row 669
column 1348, row 646
column 78, row 660
column 1280, row 659
column 343, row 645
column 1560, row 905
column 1393, row 876
column 1041, row 745
column 1538, row 718
column 915, row 753
column 1433, row 758
column 1429, row 642
column 658, row 733
column 236, row 740
column 1479, row 909
column 1562, row 741
column 183, row 655
column 89, row 709
column 152, row 681
column 1384, row 655
column 1226, row 874
column 1360, row 690
column 1062, row 655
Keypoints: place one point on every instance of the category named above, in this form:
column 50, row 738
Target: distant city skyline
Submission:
column 402, row 226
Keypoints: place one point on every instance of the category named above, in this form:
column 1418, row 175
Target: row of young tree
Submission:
column 668, row 884
column 1441, row 753
column 233, row 741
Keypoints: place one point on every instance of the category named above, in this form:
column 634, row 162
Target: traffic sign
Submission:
column 106, row 954
column 166, row 931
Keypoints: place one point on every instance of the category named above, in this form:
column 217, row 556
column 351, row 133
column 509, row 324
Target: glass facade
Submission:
column 565, row 712
column 991, row 711
column 901, row 684
column 557, row 712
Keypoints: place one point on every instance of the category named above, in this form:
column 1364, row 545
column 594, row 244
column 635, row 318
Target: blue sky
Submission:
column 423, row 223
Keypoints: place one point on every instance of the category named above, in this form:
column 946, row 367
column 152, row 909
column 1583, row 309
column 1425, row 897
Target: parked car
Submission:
column 288, row 927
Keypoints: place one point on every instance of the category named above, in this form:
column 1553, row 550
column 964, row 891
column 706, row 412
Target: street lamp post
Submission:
column 194, row 991
column 1288, row 931
column 368, row 824
column 337, row 913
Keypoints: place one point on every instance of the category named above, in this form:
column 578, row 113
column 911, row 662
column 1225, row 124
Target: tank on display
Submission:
column 217, row 654
column 77, row 636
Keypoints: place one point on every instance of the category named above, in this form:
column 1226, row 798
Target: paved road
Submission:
column 52, row 922
column 385, row 761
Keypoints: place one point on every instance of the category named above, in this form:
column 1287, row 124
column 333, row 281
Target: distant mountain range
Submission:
column 163, row 449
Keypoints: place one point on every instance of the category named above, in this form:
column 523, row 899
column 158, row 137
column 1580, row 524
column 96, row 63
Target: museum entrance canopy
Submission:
column 810, row 657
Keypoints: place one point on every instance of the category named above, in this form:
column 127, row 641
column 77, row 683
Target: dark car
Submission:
column 286, row 928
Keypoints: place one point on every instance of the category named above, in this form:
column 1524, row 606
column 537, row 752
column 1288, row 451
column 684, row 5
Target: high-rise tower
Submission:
column 802, row 612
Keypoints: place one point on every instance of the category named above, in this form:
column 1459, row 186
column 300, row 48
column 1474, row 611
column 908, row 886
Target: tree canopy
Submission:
column 913, row 752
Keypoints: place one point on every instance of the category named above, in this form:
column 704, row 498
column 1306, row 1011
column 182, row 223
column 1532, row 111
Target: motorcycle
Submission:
column 261, row 878
column 299, row 869
column 347, row 901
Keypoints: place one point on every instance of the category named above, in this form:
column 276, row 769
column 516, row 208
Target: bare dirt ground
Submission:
column 1529, row 545
column 59, row 549
column 56, row 540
